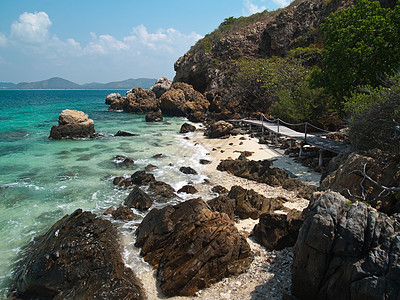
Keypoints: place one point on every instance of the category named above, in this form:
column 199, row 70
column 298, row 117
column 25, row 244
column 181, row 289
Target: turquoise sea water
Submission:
column 42, row 180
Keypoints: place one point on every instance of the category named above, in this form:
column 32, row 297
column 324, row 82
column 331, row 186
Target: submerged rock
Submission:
column 346, row 251
column 154, row 116
column 192, row 247
column 78, row 258
column 72, row 124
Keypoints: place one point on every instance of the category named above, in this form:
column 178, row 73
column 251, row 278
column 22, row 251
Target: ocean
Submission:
column 42, row 180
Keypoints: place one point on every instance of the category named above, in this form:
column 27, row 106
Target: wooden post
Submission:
column 305, row 132
column 301, row 149
column 320, row 159
column 278, row 125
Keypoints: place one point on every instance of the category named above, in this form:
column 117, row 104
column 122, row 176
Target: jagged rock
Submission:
column 192, row 247
column 261, row 171
column 188, row 189
column 78, row 257
column 223, row 204
column 138, row 199
column 136, row 101
column 346, row 251
column 154, row 116
column 188, row 170
column 345, row 175
column 162, row 190
column 182, row 100
column 112, row 97
column 122, row 181
column 142, row 178
column 219, row 189
column 162, row 85
column 186, row 127
column 150, row 167
column 197, row 117
column 124, row 133
column 250, row 204
column 205, row 161
column 123, row 161
column 72, row 124
column 244, row 203
column 277, row 231
column 124, row 213
column 219, row 129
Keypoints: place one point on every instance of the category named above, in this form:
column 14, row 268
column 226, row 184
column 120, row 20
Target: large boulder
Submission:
column 346, row 251
column 219, row 129
column 72, row 124
column 137, row 100
column 113, row 97
column 162, row 85
column 277, row 231
column 138, row 199
column 346, row 176
column 262, row 171
column 77, row 258
column 183, row 100
column 192, row 246
column 244, row 203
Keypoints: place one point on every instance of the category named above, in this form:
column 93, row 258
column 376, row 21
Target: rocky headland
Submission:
column 264, row 227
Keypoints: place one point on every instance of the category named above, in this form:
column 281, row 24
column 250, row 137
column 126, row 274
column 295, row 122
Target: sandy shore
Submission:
column 268, row 277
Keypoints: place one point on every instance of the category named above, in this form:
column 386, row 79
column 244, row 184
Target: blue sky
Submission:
column 104, row 40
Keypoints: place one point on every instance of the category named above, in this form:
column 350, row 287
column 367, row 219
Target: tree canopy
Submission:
column 361, row 45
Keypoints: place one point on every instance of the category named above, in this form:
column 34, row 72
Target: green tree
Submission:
column 361, row 45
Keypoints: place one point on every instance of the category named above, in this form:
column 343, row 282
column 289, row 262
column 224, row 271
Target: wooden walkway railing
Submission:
column 280, row 127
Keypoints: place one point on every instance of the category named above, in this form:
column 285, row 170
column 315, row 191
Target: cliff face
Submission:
column 262, row 35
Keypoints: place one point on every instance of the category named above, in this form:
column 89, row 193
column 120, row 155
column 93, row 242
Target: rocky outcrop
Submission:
column 161, row 190
column 142, row 178
column 192, row 247
column 113, row 97
column 277, row 231
column 219, row 129
column 154, row 116
column 137, row 100
column 262, row 171
column 345, row 175
column 123, row 161
column 186, row 127
column 244, row 203
column 124, row 213
column 72, row 124
column 162, row 85
column 183, row 100
column 346, row 251
column 138, row 199
column 78, row 257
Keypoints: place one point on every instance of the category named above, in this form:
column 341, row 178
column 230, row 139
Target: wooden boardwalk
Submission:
column 320, row 142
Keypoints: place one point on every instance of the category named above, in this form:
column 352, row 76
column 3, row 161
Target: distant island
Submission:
column 57, row 83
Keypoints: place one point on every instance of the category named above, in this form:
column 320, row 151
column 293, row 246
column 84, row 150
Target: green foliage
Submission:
column 361, row 44
column 283, row 81
column 375, row 118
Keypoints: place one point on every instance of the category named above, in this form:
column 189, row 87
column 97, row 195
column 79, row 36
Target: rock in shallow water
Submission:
column 78, row 258
column 72, row 124
column 192, row 246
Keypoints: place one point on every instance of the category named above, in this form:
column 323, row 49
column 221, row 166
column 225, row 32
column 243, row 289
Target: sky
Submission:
column 107, row 40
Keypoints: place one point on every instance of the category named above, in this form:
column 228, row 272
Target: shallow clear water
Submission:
column 42, row 180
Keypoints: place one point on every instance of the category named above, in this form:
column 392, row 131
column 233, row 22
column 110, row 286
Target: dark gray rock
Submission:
column 186, row 127
column 138, row 199
column 188, row 170
column 77, row 258
column 154, row 116
column 346, row 251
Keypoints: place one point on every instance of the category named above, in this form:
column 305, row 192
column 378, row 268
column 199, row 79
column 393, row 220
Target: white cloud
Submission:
column 3, row 40
column 31, row 28
column 104, row 44
column 250, row 8
column 282, row 3
column 170, row 40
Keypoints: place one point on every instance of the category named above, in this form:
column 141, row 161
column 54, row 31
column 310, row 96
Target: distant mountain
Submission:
column 5, row 85
column 57, row 83
column 145, row 83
